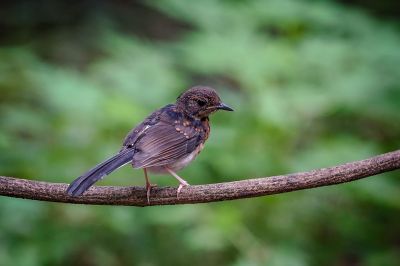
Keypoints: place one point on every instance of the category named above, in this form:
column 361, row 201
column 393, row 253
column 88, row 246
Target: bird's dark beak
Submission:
column 225, row 107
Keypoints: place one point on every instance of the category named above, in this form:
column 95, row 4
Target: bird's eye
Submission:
column 201, row 102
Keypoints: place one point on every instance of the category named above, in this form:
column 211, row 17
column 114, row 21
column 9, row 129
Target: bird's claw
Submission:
column 148, row 189
column 181, row 185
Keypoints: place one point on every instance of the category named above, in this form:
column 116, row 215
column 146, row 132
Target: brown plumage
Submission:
column 165, row 142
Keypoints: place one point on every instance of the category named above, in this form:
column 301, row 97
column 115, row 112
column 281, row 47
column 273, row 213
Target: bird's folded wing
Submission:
column 163, row 144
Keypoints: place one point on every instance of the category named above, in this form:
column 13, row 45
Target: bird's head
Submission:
column 200, row 102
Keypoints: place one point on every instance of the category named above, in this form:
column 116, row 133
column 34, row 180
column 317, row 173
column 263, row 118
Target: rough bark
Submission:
column 136, row 196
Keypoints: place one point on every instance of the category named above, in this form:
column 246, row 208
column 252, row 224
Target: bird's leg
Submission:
column 148, row 185
column 182, row 182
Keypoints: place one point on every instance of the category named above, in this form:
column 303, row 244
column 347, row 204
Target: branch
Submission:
column 136, row 196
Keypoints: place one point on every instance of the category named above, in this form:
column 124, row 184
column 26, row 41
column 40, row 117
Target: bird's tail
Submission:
column 85, row 181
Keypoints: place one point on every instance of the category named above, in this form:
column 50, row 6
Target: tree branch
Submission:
column 136, row 196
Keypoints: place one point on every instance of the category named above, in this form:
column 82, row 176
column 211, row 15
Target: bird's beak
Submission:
column 225, row 107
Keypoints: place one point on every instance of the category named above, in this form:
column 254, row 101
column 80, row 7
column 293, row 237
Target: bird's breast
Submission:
column 180, row 163
column 185, row 160
column 206, row 128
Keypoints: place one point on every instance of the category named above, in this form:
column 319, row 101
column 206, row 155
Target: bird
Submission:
column 165, row 142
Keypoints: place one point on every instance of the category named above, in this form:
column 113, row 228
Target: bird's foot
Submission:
column 182, row 184
column 148, row 189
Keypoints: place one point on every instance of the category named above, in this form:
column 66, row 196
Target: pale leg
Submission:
column 182, row 183
column 148, row 185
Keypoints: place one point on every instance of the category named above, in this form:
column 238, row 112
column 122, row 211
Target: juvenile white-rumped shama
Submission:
column 165, row 142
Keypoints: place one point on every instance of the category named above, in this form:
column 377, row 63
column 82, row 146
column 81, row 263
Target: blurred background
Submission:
column 313, row 84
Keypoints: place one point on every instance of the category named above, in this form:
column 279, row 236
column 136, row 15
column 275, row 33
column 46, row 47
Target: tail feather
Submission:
column 85, row 181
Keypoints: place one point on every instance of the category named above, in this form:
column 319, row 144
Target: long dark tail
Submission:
column 85, row 181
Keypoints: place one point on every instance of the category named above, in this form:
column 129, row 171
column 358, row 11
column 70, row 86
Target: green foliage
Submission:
column 313, row 84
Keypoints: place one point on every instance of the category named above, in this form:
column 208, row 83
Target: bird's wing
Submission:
column 164, row 143
column 140, row 130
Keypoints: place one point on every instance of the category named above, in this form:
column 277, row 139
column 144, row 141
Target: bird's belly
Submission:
column 179, row 164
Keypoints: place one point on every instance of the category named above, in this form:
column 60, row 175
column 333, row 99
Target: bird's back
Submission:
column 166, row 137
